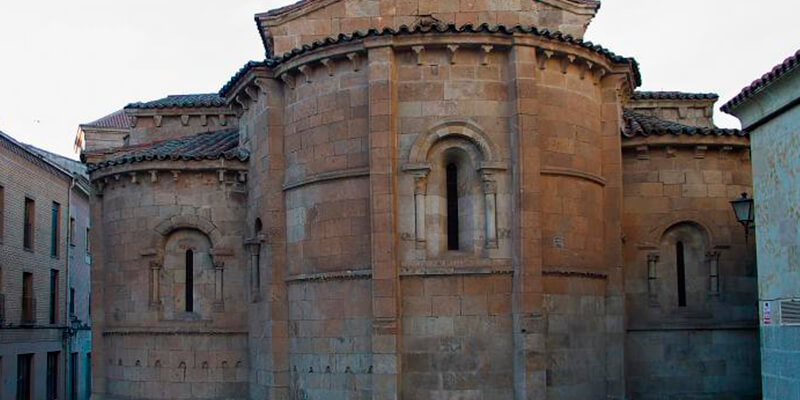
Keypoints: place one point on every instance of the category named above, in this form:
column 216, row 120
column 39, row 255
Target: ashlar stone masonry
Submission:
column 424, row 200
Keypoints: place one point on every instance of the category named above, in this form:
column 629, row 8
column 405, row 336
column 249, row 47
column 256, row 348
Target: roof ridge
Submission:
column 673, row 95
column 638, row 124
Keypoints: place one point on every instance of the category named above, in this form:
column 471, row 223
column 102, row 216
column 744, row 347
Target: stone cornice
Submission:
column 129, row 171
column 593, row 60
column 685, row 141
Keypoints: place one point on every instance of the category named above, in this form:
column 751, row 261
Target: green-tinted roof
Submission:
column 182, row 101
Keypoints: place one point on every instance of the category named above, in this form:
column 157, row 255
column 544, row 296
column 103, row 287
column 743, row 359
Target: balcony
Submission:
column 28, row 311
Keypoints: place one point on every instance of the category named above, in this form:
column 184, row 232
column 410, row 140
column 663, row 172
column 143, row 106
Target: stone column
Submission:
column 490, row 200
column 652, row 275
column 383, row 210
column 713, row 271
column 219, row 303
column 420, row 189
column 612, row 87
column 528, row 318
column 254, row 249
column 155, row 284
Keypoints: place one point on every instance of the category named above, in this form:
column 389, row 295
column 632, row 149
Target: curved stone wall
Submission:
column 151, row 346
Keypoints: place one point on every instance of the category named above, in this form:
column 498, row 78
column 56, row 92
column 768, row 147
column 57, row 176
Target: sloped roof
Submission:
column 204, row 146
column 182, row 101
column 115, row 120
column 636, row 124
column 435, row 28
column 776, row 73
column 239, row 74
column 646, row 95
column 73, row 166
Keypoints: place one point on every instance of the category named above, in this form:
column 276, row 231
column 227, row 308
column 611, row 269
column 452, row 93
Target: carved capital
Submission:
column 155, row 265
column 489, row 186
column 653, row 257
column 420, row 184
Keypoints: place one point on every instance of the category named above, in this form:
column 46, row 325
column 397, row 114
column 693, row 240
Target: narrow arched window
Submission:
column 189, row 280
column 257, row 227
column 452, row 207
column 681, row 263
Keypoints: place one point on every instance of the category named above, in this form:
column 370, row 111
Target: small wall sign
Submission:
column 766, row 314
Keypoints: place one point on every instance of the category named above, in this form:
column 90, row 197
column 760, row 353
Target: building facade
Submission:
column 769, row 110
column 448, row 203
column 45, row 340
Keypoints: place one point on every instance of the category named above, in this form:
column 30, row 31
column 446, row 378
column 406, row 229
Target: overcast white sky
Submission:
column 63, row 63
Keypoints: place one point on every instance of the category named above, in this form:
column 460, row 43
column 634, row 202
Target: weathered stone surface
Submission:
column 423, row 216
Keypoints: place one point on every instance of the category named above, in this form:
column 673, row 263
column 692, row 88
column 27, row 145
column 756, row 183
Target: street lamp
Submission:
column 745, row 213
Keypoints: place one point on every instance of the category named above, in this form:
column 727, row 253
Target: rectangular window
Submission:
column 72, row 302
column 52, row 375
column 73, row 375
column 72, row 231
column 55, row 230
column 53, row 296
column 30, row 216
column 24, row 378
column 28, row 302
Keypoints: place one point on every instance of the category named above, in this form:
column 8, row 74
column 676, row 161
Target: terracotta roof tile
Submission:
column 239, row 74
column 645, row 95
column 771, row 76
column 435, row 28
column 115, row 120
column 204, row 146
column 636, row 124
column 182, row 101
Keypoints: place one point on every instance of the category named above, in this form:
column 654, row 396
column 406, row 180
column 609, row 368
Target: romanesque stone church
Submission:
column 422, row 200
